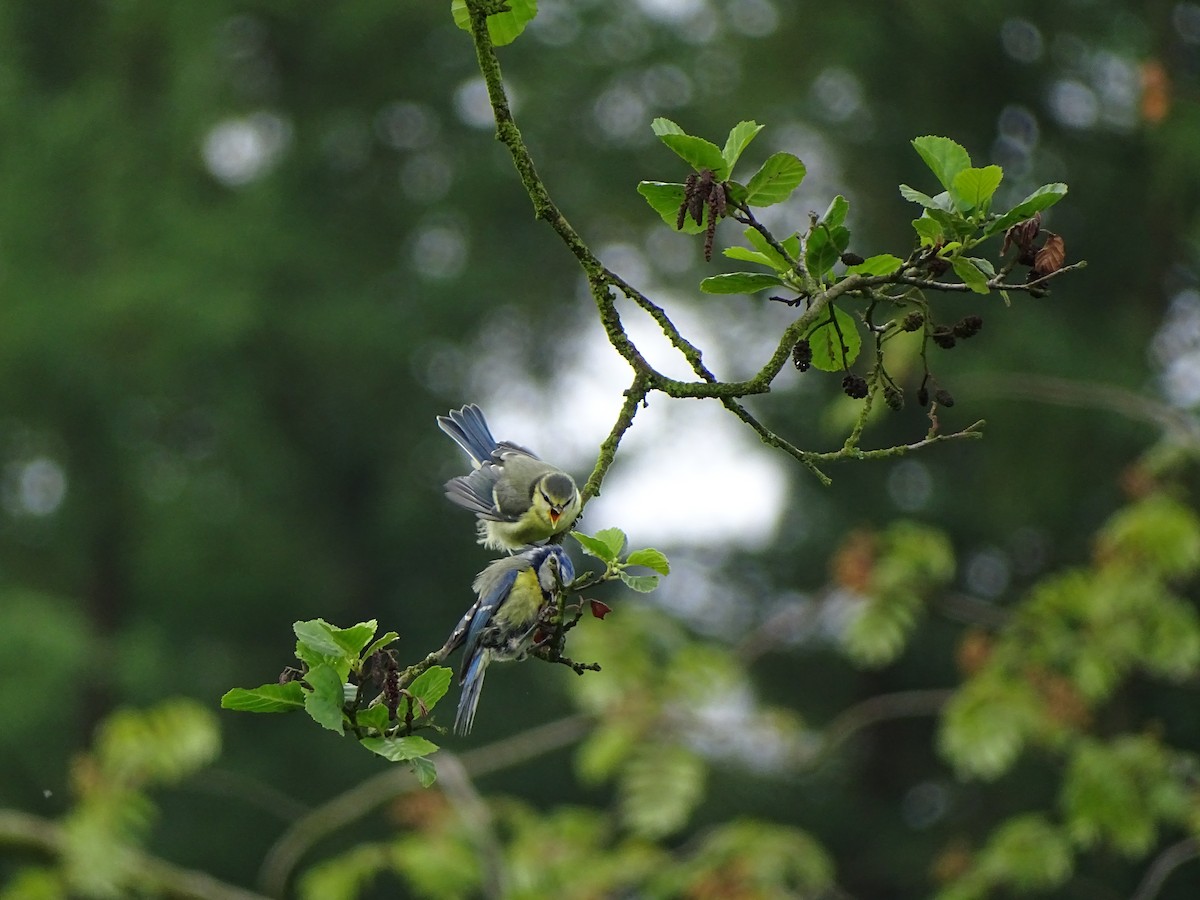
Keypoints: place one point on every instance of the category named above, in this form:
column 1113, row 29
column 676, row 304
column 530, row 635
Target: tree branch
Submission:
column 872, row 711
column 471, row 808
column 1164, row 864
column 602, row 283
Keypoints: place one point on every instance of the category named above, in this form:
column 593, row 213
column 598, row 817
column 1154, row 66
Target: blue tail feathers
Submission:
column 469, row 429
column 472, row 685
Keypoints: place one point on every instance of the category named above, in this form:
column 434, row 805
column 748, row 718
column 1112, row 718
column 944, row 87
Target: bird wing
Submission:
column 476, row 492
column 500, row 491
column 503, row 448
column 493, row 590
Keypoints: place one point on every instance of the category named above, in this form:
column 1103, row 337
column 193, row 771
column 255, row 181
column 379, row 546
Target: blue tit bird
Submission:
column 518, row 498
column 512, row 594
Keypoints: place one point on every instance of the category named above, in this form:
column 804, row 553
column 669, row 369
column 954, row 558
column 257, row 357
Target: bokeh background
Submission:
column 249, row 250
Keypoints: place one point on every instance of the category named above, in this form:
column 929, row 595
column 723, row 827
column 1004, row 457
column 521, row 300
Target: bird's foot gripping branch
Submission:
column 351, row 682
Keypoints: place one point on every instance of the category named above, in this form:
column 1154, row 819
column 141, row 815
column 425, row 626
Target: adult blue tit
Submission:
column 512, row 594
column 518, row 498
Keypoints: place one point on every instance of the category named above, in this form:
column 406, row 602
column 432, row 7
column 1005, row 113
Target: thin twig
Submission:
column 772, row 439
column 973, row 431
column 247, row 791
column 1132, row 405
column 747, row 217
column 635, row 395
column 1164, row 864
column 689, row 350
column 995, row 284
column 872, row 711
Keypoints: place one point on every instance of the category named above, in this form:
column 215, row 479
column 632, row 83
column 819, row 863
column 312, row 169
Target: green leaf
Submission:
column 1043, row 198
column 390, row 638
column 836, row 213
column 425, row 771
column 431, row 685
column 944, row 157
column 743, row 254
column 643, row 584
column 319, row 643
column 774, row 182
column 329, row 640
column 929, row 231
column 399, row 749
column 270, row 698
column 983, row 265
column 792, row 245
column 504, row 27
column 759, row 242
column 378, row 717
column 664, row 126
column 824, row 248
column 827, row 349
column 651, row 559
column 324, row 701
column 697, row 152
column 606, row 545
column 317, row 634
column 970, row 274
column 883, row 264
column 665, row 198
column 941, row 201
column 973, row 188
column 594, row 546
column 739, row 283
column 614, row 539
column 954, row 225
column 739, row 138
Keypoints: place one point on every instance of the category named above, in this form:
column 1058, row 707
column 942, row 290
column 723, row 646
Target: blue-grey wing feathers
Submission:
column 485, row 608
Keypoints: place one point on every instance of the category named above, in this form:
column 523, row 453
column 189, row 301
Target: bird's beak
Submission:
column 555, row 515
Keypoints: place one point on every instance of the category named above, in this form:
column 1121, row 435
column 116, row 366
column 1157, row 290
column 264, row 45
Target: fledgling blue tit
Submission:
column 518, row 498
column 512, row 594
